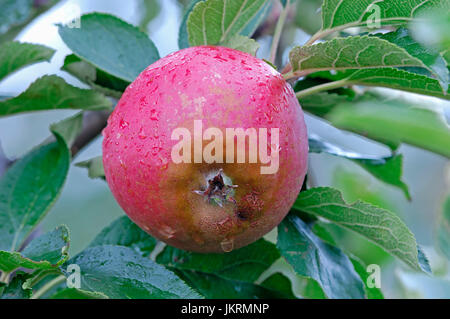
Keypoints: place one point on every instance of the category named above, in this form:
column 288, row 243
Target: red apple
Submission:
column 180, row 181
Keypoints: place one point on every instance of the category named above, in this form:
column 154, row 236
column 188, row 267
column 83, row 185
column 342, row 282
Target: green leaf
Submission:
column 342, row 14
column 443, row 230
column 311, row 257
column 94, row 77
column 392, row 78
column 446, row 55
column 243, row 43
column 69, row 128
column 45, row 252
column 40, row 277
column 308, row 15
column 16, row 15
column 51, row 247
column 394, row 123
column 51, row 92
column 94, row 166
column 183, row 41
column 378, row 225
column 149, row 10
column 120, row 272
column 309, row 288
column 386, row 169
column 29, row 189
column 356, row 52
column 325, row 77
column 111, row 45
column 215, row 287
column 73, row 293
column 14, row 12
column 321, row 103
column 16, row 55
column 123, row 232
column 361, row 269
column 279, row 282
column 215, row 21
column 245, row 264
column 431, row 58
column 14, row 290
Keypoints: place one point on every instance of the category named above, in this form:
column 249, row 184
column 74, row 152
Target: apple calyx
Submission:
column 219, row 189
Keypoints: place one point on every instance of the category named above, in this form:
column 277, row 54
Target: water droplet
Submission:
column 227, row 245
column 123, row 124
column 154, row 116
column 220, row 58
column 254, row 224
column 155, row 150
column 163, row 163
column 167, row 232
column 141, row 134
column 269, row 117
column 122, row 164
column 275, row 107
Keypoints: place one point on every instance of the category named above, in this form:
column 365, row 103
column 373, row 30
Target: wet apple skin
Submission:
column 224, row 88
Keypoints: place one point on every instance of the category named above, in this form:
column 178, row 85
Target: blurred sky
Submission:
column 86, row 206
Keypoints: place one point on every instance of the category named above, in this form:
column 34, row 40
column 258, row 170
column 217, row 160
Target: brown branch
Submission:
column 93, row 124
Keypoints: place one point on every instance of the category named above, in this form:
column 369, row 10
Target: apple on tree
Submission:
column 176, row 164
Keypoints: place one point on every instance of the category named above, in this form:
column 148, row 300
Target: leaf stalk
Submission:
column 278, row 30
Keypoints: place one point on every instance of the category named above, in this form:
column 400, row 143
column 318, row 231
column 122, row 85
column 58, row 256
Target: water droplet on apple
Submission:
column 163, row 163
column 167, row 232
column 227, row 245
column 142, row 135
column 123, row 124
column 154, row 116
column 155, row 150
